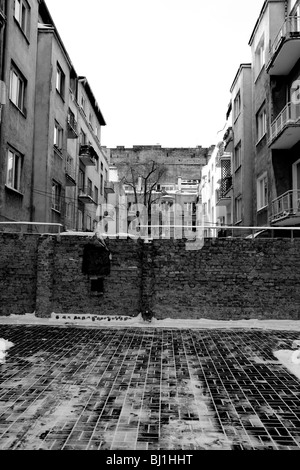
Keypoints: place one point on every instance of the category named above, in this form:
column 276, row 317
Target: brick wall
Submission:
column 18, row 273
column 227, row 279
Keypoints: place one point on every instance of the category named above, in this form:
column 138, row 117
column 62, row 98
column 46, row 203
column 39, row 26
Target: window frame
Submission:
column 237, row 156
column 60, row 81
column 17, row 161
column 238, row 208
column 262, row 191
column 17, row 94
column 56, row 196
column 237, row 105
column 22, row 16
column 58, row 136
column 260, row 56
column 261, row 123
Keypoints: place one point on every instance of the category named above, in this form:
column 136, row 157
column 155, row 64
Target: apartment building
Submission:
column 275, row 45
column 213, row 189
column 236, row 159
column 177, row 186
column 53, row 169
column 19, row 21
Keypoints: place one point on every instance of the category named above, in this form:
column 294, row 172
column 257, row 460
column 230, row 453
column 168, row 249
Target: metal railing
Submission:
column 232, row 231
column 290, row 28
column 225, row 186
column 30, row 227
column 70, row 169
column 72, row 122
column 286, row 204
column 289, row 115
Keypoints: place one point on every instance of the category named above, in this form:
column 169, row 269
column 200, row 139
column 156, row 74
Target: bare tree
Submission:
column 143, row 178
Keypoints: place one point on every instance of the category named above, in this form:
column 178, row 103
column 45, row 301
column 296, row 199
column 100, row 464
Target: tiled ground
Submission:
column 147, row 389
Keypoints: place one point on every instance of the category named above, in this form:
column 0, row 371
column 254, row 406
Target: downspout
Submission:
column 3, row 31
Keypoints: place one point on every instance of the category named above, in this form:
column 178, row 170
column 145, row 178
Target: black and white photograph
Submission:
column 149, row 228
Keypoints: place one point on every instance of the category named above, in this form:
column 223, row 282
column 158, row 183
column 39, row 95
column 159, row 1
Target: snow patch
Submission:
column 138, row 322
column 5, row 345
column 287, row 357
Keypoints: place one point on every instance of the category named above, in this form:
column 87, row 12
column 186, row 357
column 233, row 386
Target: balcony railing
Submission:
column 226, row 185
column 2, row 12
column 282, row 59
column 72, row 127
column 70, row 174
column 286, row 205
column 86, row 196
column 288, row 118
column 88, row 155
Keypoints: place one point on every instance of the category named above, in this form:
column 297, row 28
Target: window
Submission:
column 89, row 223
column 17, row 88
column 260, row 56
column 96, row 194
column 238, row 209
column 101, row 185
column 14, row 170
column 56, row 196
column 22, row 15
column 188, row 208
column 97, row 132
column 238, row 156
column 91, row 119
column 89, row 187
column 261, row 124
column 262, row 192
column 60, row 81
column 81, row 178
column 83, row 137
column 80, row 220
column 237, row 106
column 83, row 104
column 58, row 136
column 97, row 164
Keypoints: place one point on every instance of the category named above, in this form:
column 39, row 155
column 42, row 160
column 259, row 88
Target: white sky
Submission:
column 161, row 70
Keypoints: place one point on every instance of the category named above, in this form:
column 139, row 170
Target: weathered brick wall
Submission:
column 227, row 279
column 18, row 273
column 72, row 289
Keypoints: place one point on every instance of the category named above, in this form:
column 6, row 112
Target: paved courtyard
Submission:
column 76, row 388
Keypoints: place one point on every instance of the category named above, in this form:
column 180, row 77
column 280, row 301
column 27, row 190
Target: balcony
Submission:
column 87, row 155
column 228, row 137
column 109, row 187
column 224, row 160
column 86, row 196
column 285, row 129
column 223, row 194
column 72, row 127
column 286, row 209
column 285, row 50
column 70, row 174
column 2, row 13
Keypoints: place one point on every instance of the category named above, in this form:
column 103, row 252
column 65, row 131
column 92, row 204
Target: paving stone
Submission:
column 73, row 388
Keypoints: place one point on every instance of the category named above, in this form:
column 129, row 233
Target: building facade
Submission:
column 53, row 169
column 18, row 76
column 275, row 45
column 236, row 158
column 174, row 184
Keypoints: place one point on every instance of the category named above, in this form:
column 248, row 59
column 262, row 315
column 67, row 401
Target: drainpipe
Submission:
column 2, row 75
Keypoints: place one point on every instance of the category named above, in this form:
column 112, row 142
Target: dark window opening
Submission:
column 97, row 286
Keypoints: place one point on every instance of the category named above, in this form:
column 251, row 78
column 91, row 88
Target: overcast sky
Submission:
column 161, row 70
